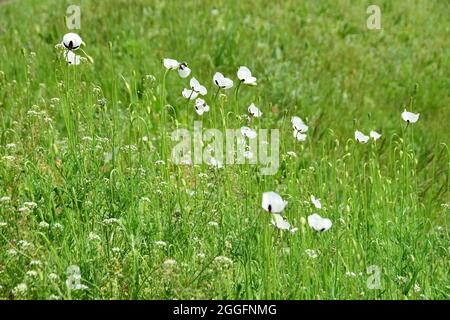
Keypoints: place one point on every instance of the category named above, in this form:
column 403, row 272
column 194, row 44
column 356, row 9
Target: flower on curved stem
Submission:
column 196, row 89
column 410, row 117
column 253, row 111
column 361, row 137
column 201, row 106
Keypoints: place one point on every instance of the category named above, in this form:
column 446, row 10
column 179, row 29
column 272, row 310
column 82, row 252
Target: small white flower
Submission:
column 361, row 137
column 213, row 224
column 197, row 87
column 248, row 132
column 272, row 202
column 279, row 222
column 298, row 124
column 223, row 260
column 253, row 111
column 32, row 273
column 410, row 117
column 291, row 154
column 160, row 244
column 245, row 75
column 43, row 225
column 375, row 135
column 221, row 81
column 72, row 41
column 93, row 237
column 318, row 223
column 5, row 199
column 172, row 64
column 311, row 253
column 169, row 262
column 201, row 106
column 316, row 202
column 189, row 94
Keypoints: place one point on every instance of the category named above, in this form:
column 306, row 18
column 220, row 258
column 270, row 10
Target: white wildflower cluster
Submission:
column 73, row 281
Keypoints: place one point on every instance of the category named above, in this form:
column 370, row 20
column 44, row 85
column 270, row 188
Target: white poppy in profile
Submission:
column 221, row 81
column 72, row 41
column 189, row 94
column 279, row 222
column 361, row 137
column 410, row 117
column 71, row 58
column 200, row 106
column 245, row 75
column 318, row 223
column 375, row 135
column 172, row 64
column 316, row 202
column 248, row 132
column 299, row 136
column 197, row 87
column 253, row 111
column 299, row 125
column 272, row 202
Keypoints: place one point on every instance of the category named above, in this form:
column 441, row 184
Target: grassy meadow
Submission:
column 92, row 207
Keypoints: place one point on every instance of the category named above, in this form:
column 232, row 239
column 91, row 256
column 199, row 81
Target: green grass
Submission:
column 103, row 200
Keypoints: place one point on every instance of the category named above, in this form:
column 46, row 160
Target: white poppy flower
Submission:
column 316, row 202
column 72, row 41
column 279, row 222
column 248, row 132
column 318, row 223
column 299, row 125
column 245, row 75
column 375, row 135
column 71, row 58
column 189, row 94
column 253, row 111
column 222, row 82
column 171, row 64
column 272, row 202
column 361, row 137
column 183, row 70
column 410, row 117
column 197, row 87
column 201, row 106
column 299, row 136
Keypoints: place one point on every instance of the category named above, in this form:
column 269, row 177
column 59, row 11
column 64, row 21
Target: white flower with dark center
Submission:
column 197, row 87
column 318, row 223
column 361, row 137
column 253, row 111
column 222, row 82
column 300, row 128
column 245, row 75
column 316, row 202
column 182, row 67
column 272, row 202
column 374, row 135
column 200, row 106
column 72, row 41
column 248, row 132
column 410, row 117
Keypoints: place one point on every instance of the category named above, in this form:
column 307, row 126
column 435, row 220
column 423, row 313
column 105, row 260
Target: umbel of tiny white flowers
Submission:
column 300, row 128
column 253, row 111
column 245, row 76
column 201, row 106
column 196, row 89
column 272, row 202
column 318, row 223
column 182, row 67
column 361, row 137
column 410, row 117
